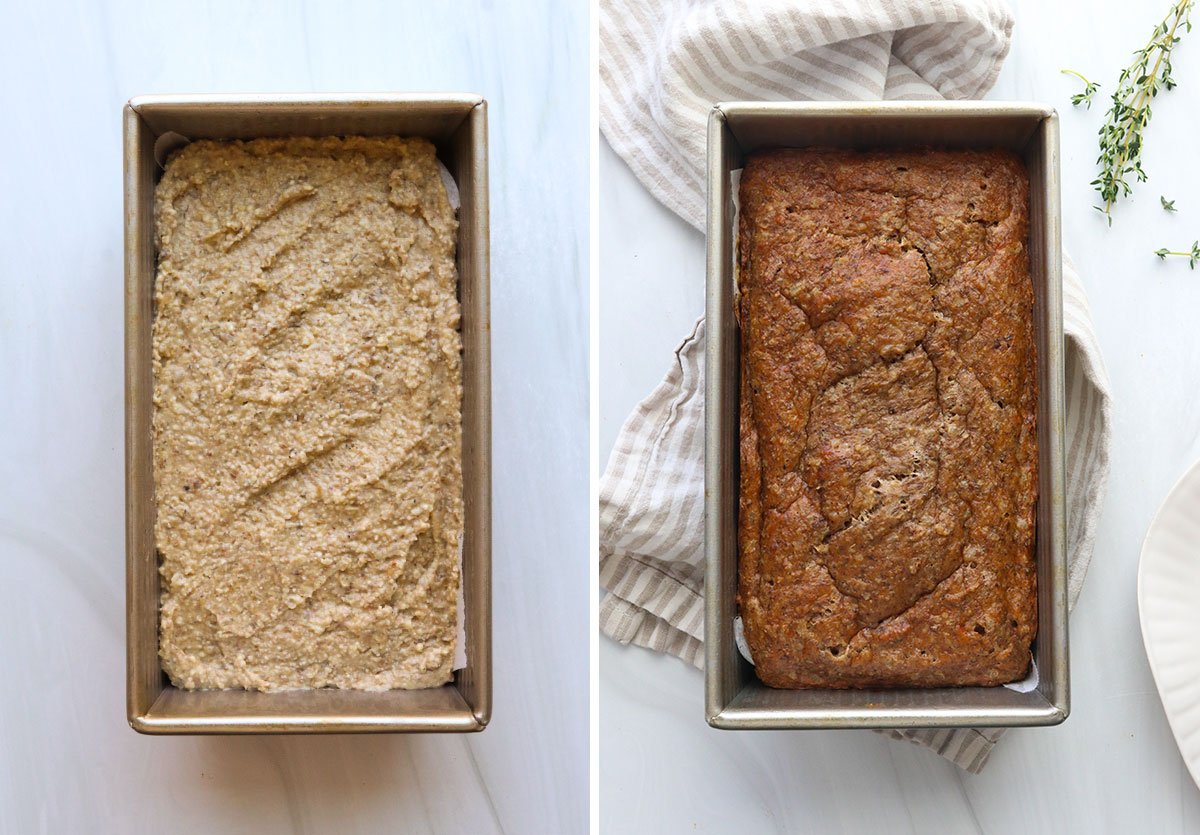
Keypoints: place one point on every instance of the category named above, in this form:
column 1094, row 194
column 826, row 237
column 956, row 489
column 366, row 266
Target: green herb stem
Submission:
column 1121, row 135
column 1193, row 255
column 1089, row 89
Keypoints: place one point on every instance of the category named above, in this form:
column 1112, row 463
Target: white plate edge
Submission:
column 1176, row 488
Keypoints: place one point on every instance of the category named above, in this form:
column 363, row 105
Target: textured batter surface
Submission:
column 888, row 406
column 307, row 396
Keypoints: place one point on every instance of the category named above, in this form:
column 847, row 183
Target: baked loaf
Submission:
column 888, row 408
column 307, row 396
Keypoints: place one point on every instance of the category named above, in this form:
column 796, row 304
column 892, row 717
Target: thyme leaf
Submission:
column 1089, row 90
column 1122, row 134
column 1193, row 256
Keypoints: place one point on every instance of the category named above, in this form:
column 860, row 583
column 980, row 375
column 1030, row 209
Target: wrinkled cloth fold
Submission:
column 662, row 66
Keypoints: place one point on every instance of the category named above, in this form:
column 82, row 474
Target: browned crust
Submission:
column 888, row 418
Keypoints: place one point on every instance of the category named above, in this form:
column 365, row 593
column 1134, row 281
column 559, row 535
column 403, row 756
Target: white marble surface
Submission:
column 68, row 761
column 1113, row 766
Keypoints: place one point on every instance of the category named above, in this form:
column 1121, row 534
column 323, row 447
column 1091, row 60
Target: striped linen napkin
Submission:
column 662, row 66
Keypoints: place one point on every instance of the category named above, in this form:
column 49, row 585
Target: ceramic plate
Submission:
column 1169, row 607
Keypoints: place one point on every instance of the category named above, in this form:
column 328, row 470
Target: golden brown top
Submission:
column 888, row 405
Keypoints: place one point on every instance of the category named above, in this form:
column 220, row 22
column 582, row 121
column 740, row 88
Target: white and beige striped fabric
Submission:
column 662, row 65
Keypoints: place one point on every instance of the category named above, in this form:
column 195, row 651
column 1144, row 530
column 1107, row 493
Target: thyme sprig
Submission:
column 1121, row 135
column 1168, row 205
column 1089, row 89
column 1193, row 256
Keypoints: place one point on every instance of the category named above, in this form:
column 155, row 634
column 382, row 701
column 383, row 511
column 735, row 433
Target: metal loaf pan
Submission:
column 457, row 124
column 735, row 698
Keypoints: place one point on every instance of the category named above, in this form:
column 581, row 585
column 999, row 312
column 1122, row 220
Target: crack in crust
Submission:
column 888, row 403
